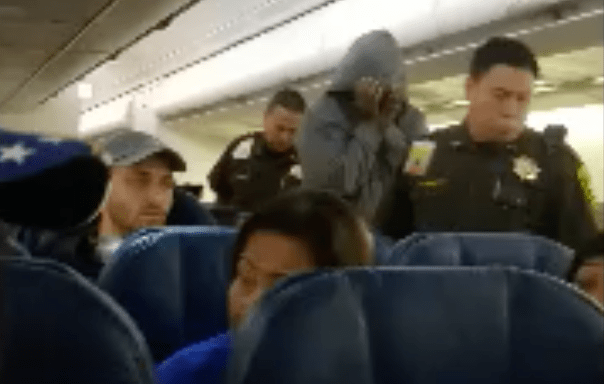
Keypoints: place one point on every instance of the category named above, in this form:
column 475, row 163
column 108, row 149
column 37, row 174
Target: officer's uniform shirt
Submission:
column 453, row 184
column 249, row 173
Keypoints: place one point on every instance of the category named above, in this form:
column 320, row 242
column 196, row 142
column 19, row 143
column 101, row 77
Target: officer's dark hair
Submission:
column 327, row 225
column 503, row 50
column 288, row 99
column 594, row 250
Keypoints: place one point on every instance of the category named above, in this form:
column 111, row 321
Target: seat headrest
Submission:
column 421, row 325
column 472, row 249
column 57, row 327
column 188, row 210
column 173, row 282
column 382, row 248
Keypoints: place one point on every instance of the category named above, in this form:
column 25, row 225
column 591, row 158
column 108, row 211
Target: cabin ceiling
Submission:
column 45, row 44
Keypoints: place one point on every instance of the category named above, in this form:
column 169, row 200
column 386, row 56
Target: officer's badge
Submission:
column 526, row 168
column 296, row 171
column 243, row 150
column 420, row 155
column 293, row 177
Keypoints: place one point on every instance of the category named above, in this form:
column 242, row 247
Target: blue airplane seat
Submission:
column 384, row 325
column 493, row 248
column 188, row 210
column 382, row 248
column 173, row 282
column 57, row 327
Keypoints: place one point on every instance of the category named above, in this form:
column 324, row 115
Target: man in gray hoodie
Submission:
column 355, row 137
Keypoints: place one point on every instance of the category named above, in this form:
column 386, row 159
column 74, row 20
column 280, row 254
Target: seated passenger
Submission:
column 142, row 185
column 298, row 231
column 54, row 325
column 142, row 194
column 588, row 270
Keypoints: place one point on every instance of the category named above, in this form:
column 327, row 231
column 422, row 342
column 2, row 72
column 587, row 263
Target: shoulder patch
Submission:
column 243, row 150
column 585, row 183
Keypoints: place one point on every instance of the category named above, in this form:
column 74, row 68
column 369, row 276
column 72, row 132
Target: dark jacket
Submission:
column 9, row 246
column 342, row 152
column 523, row 186
column 75, row 247
column 248, row 173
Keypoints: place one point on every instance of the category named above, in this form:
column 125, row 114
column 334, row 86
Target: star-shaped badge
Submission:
column 526, row 168
column 17, row 153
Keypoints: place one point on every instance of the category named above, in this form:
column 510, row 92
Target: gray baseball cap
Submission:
column 124, row 147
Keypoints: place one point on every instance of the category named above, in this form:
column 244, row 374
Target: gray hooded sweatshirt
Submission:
column 339, row 151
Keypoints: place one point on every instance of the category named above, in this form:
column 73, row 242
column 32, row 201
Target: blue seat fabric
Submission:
column 57, row 327
column 421, row 325
column 173, row 282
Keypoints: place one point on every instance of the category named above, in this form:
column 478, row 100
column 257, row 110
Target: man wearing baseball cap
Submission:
column 142, row 185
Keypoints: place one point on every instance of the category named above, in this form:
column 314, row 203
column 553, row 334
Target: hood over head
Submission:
column 374, row 54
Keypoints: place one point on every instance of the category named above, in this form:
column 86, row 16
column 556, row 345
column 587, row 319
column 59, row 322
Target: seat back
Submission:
column 422, row 325
column 188, row 210
column 382, row 248
column 57, row 327
column 472, row 249
column 173, row 282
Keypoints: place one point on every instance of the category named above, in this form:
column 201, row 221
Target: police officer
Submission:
column 490, row 173
column 256, row 166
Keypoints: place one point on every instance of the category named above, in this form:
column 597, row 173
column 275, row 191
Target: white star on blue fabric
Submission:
column 17, row 153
